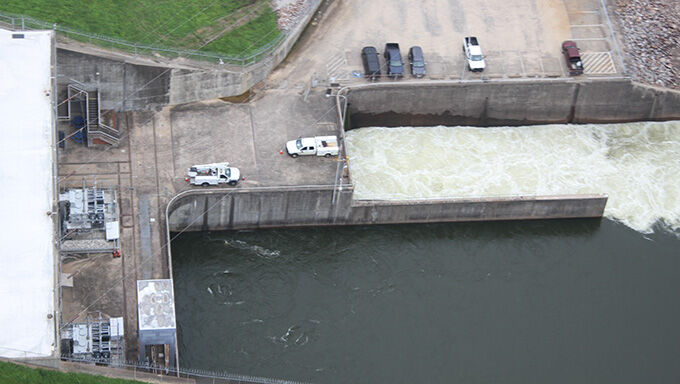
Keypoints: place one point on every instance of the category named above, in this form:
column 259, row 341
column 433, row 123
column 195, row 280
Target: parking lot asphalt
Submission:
column 519, row 38
column 252, row 137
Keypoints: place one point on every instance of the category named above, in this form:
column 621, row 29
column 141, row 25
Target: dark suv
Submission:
column 393, row 57
column 417, row 62
column 369, row 56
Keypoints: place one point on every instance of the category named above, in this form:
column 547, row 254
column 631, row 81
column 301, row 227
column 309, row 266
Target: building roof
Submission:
column 155, row 304
column 27, row 250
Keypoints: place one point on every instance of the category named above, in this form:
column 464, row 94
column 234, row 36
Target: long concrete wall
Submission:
column 257, row 208
column 312, row 206
column 508, row 103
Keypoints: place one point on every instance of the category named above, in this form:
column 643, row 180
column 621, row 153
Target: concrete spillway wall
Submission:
column 508, row 103
column 312, row 206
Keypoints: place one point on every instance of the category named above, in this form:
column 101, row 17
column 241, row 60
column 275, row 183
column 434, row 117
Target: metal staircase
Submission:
column 86, row 103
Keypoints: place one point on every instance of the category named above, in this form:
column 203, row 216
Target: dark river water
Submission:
column 579, row 301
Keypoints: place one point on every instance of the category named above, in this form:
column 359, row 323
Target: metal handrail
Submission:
column 96, row 132
column 104, row 128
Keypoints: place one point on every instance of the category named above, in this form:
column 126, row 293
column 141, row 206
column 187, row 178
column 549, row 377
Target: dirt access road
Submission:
column 520, row 38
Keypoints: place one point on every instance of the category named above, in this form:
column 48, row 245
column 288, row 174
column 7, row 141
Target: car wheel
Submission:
column 327, row 155
column 233, row 182
column 205, row 185
column 294, row 155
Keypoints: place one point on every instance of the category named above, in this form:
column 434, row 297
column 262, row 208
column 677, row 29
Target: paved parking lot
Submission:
column 520, row 38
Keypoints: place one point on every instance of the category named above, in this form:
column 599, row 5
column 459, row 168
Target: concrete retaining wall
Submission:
column 123, row 86
column 290, row 206
column 257, row 208
column 623, row 101
column 508, row 103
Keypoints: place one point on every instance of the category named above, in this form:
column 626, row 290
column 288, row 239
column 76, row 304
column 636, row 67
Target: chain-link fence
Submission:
column 20, row 23
column 139, row 371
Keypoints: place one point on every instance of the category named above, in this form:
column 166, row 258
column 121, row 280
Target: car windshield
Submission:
column 395, row 63
column 476, row 57
column 298, row 143
column 227, row 172
column 418, row 64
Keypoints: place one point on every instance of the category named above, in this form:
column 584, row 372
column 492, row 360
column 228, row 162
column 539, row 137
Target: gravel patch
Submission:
column 291, row 12
column 651, row 30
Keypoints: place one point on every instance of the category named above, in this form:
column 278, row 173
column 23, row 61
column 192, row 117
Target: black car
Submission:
column 369, row 56
column 393, row 57
column 417, row 62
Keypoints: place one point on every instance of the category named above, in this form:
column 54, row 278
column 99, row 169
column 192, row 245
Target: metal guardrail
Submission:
column 21, row 22
column 182, row 372
column 129, row 369
column 102, row 135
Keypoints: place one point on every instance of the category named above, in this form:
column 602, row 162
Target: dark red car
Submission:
column 573, row 57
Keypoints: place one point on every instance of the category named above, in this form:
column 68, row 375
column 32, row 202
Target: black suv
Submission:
column 369, row 56
column 417, row 62
column 393, row 58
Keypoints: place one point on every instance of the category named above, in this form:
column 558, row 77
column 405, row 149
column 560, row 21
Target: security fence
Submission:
column 21, row 23
column 140, row 370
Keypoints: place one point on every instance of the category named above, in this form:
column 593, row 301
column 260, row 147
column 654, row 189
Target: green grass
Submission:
column 18, row 374
column 217, row 26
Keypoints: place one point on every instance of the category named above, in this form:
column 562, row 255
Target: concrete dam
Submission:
column 432, row 104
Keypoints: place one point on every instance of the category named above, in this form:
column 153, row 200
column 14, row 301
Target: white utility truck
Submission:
column 473, row 54
column 319, row 145
column 213, row 174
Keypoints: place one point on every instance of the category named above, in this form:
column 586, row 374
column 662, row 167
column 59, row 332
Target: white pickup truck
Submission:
column 473, row 54
column 319, row 145
column 213, row 174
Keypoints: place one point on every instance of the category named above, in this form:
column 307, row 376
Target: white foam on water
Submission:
column 636, row 164
column 260, row 251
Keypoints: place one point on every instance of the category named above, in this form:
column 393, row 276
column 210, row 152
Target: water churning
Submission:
column 636, row 164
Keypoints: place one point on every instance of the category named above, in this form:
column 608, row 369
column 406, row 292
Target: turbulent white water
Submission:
column 637, row 165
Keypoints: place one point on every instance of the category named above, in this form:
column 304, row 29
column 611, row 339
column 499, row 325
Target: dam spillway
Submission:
column 635, row 164
column 431, row 104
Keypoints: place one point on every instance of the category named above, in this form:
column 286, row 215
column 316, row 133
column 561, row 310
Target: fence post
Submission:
column 22, row 23
column 12, row 23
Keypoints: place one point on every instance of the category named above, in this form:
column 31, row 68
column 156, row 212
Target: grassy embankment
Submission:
column 18, row 374
column 228, row 27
